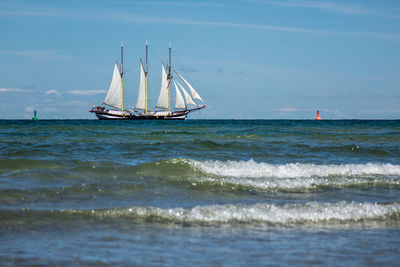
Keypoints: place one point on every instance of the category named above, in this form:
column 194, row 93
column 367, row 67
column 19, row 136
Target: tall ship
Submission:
column 113, row 105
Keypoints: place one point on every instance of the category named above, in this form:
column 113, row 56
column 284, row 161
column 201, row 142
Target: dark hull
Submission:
column 102, row 116
column 106, row 114
column 157, row 118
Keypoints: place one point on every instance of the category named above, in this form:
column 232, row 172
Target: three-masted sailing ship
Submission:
column 163, row 110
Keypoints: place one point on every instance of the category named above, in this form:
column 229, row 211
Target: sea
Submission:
column 200, row 192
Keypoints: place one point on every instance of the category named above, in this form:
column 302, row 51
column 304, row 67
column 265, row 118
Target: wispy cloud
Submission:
column 379, row 112
column 330, row 6
column 29, row 109
column 76, row 103
column 288, row 109
column 52, row 92
column 325, row 95
column 130, row 18
column 86, row 92
column 13, row 90
column 68, row 13
column 262, row 27
column 188, row 70
column 47, row 55
column 176, row 3
column 349, row 95
column 49, row 109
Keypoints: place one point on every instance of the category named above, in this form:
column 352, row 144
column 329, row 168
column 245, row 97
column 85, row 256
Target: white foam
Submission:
column 312, row 212
column 253, row 169
column 294, row 183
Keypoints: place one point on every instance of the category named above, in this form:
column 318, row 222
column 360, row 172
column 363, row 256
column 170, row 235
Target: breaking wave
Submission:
column 264, row 213
column 293, row 176
column 85, row 177
column 312, row 213
column 252, row 169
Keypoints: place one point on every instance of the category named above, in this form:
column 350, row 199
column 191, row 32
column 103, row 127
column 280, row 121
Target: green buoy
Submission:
column 34, row 116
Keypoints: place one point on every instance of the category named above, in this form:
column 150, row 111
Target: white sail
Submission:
column 194, row 93
column 114, row 94
column 180, row 103
column 163, row 98
column 140, row 103
column 188, row 98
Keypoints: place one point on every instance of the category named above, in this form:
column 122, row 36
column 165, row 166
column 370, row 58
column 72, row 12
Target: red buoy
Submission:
column 318, row 118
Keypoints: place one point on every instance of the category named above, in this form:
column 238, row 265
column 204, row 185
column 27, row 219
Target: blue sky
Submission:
column 249, row 59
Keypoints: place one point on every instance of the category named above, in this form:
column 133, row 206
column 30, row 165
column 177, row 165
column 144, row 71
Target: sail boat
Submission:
column 164, row 111
column 115, row 96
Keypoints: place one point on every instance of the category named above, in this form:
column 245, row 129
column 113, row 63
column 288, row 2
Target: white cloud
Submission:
column 74, row 103
column 380, row 112
column 288, row 109
column 77, row 103
column 68, row 13
column 51, row 92
column 86, row 92
column 175, row 3
column 47, row 55
column 29, row 109
column 14, row 90
column 49, row 109
column 330, row 6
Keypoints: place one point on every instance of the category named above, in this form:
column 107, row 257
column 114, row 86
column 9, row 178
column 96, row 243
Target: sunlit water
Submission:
column 200, row 192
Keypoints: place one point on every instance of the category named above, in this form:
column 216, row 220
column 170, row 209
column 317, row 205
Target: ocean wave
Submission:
column 253, row 169
column 312, row 213
column 227, row 175
column 215, row 168
column 263, row 213
column 291, row 184
column 23, row 164
column 288, row 177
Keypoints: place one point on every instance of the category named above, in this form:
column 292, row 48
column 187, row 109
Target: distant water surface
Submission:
column 212, row 192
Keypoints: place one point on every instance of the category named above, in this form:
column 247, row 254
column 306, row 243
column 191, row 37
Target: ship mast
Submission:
column 122, row 73
column 169, row 79
column 145, row 80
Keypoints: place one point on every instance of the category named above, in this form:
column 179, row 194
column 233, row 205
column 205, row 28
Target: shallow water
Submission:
column 200, row 192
